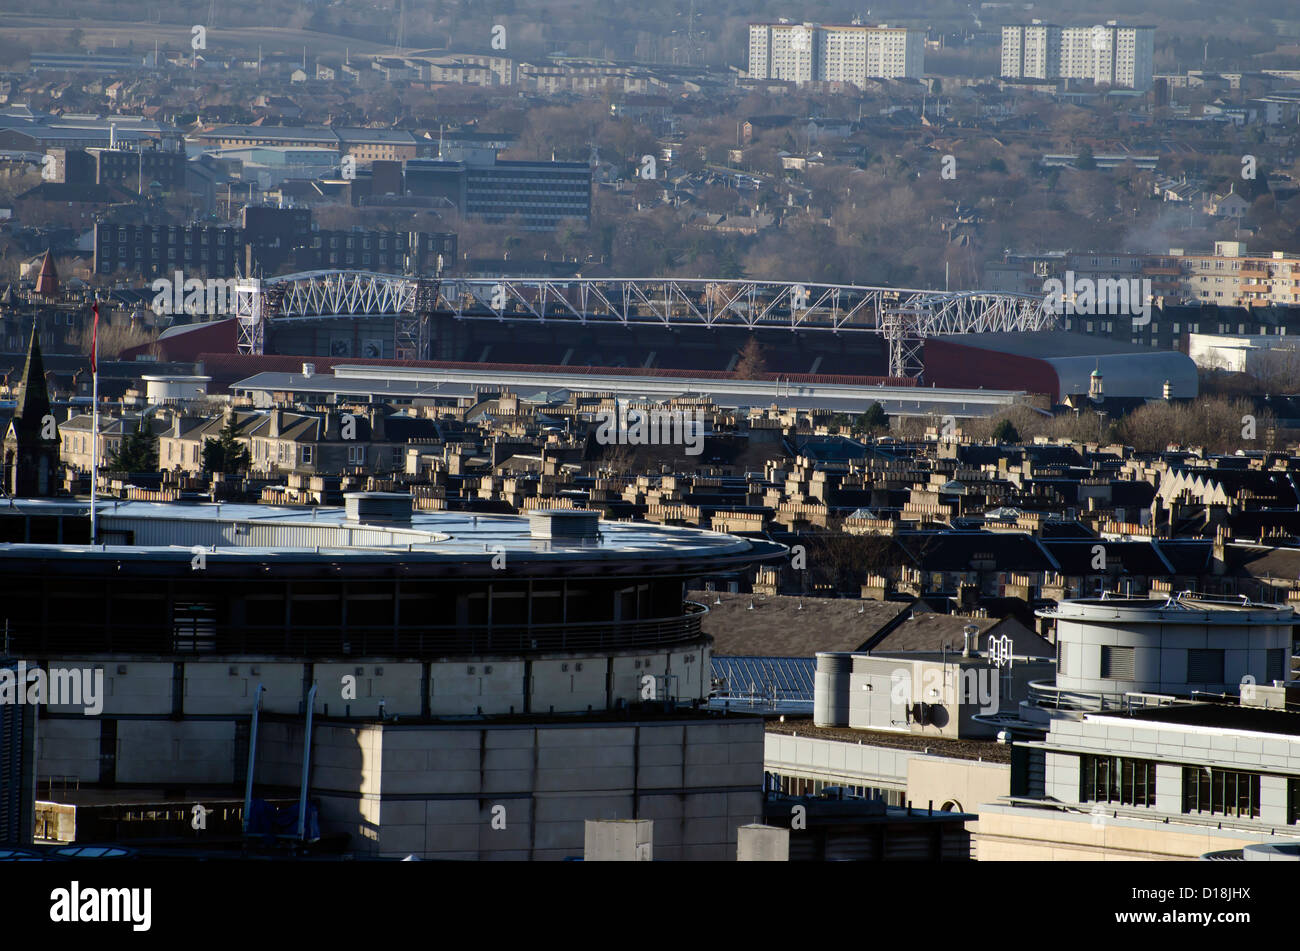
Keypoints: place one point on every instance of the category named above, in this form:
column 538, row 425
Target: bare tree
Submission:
column 752, row 365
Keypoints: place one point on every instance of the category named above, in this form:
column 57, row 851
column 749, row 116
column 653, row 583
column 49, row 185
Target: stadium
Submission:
column 691, row 331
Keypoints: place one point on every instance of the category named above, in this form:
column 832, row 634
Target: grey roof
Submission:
column 937, row 632
column 779, row 627
column 238, row 531
column 328, row 383
column 1127, row 369
column 320, row 134
column 432, row 381
column 398, row 136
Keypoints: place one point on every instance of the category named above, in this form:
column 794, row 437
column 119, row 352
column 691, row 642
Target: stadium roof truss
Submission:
column 903, row 316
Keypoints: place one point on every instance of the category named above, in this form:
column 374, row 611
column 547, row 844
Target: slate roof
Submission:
column 935, row 632
column 777, row 627
column 958, row 551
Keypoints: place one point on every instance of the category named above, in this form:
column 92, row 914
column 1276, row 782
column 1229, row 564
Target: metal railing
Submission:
column 181, row 638
column 1052, row 697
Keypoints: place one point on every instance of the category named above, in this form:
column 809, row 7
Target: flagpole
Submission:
column 94, row 451
column 94, row 424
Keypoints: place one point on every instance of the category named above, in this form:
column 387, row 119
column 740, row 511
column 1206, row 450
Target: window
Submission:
column 1060, row 659
column 1205, row 666
column 1117, row 663
column 1129, row 782
column 356, row 455
column 306, row 455
column 1276, row 663
column 1220, row 792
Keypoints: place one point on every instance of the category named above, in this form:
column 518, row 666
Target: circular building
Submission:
column 459, row 668
column 555, row 611
column 1169, row 646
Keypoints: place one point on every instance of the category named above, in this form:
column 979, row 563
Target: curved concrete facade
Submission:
column 831, row 689
column 1170, row 646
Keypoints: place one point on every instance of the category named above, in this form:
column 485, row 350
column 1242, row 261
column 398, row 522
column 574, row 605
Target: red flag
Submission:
column 94, row 342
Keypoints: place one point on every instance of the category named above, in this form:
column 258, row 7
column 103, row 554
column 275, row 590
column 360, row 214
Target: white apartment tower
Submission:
column 852, row 53
column 1031, row 52
column 1121, row 56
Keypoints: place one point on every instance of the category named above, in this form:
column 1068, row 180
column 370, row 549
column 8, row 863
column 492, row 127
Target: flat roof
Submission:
column 1180, row 609
column 405, row 381
column 928, row 744
column 324, row 533
column 1225, row 717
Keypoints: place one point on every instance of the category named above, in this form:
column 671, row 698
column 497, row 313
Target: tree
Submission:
column 1086, row 162
column 225, row 453
column 1005, row 432
column 751, row 365
column 138, row 451
column 873, row 419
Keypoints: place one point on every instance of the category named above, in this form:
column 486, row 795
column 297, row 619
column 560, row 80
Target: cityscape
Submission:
column 452, row 433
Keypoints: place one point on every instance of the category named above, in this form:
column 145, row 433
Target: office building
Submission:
column 270, row 240
column 153, row 250
column 1168, row 735
column 543, row 194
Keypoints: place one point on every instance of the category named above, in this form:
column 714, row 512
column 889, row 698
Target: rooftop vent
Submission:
column 378, row 508
column 564, row 524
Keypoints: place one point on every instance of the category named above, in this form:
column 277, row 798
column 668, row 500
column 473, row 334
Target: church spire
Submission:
column 34, row 401
column 31, row 445
column 47, row 282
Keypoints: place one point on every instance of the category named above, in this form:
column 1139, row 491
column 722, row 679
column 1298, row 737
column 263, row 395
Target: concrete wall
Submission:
column 1160, row 654
column 921, row 777
column 883, row 687
column 1035, row 835
column 963, row 782
column 569, row 683
column 68, row 748
column 837, row 762
column 173, row 752
column 524, row 792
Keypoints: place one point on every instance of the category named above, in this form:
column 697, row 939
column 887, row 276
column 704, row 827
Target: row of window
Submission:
column 1206, row 790
column 802, row 786
column 82, row 444
column 177, row 236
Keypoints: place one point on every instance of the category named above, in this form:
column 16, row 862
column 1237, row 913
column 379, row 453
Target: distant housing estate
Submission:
column 1112, row 54
column 849, row 53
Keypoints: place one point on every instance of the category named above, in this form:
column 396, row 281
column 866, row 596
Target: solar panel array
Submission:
column 775, row 683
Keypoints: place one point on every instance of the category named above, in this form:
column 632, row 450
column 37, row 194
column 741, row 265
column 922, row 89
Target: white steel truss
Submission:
column 904, row 316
